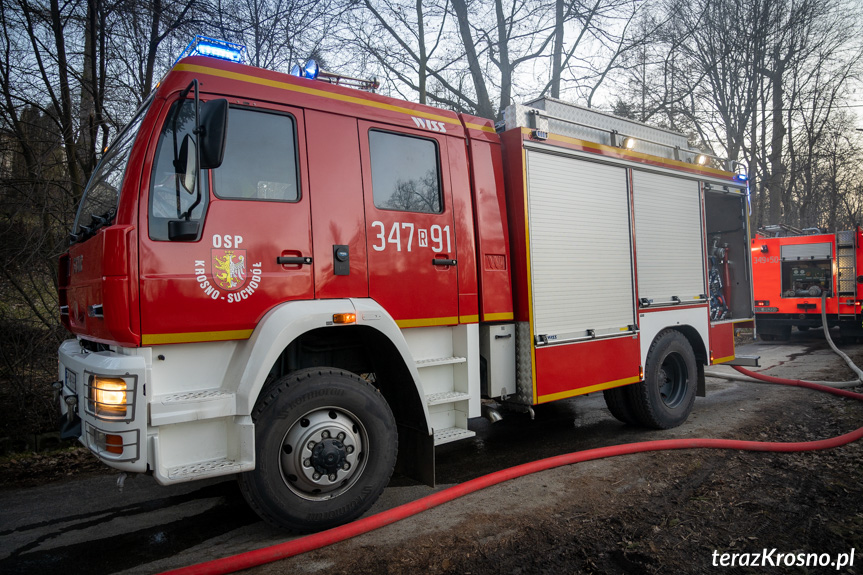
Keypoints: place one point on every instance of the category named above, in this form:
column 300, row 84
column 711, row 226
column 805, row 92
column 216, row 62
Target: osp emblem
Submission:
column 230, row 271
column 229, row 268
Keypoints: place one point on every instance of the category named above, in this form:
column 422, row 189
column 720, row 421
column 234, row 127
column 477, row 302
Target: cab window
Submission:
column 405, row 175
column 168, row 199
column 260, row 158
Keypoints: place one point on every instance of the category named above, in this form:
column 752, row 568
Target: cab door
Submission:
column 409, row 225
column 254, row 249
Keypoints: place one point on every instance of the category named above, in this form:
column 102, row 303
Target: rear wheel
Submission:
column 617, row 401
column 666, row 396
column 325, row 446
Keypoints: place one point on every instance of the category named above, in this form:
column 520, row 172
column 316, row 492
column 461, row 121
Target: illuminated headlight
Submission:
column 108, row 397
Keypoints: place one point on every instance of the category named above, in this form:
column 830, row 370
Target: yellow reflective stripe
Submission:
column 506, row 316
column 192, row 337
column 489, row 129
column 530, row 318
column 195, row 69
column 468, row 318
column 723, row 359
column 591, row 389
column 634, row 154
column 429, row 321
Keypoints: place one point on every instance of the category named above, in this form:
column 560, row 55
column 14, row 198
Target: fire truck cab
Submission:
column 306, row 284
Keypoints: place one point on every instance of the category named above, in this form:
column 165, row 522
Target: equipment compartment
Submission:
column 729, row 274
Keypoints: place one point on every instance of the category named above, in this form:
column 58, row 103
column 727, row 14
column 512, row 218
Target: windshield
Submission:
column 99, row 204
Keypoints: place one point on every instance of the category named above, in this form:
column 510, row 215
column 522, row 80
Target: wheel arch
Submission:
column 699, row 348
column 695, row 340
column 298, row 335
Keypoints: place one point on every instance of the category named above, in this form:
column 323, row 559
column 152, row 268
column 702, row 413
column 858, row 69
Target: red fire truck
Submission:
column 307, row 284
column 795, row 270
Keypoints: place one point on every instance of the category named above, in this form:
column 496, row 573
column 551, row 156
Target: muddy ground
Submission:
column 666, row 512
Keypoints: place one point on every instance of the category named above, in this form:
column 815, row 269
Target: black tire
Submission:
column 617, row 401
column 767, row 336
column 666, row 396
column 802, row 328
column 325, row 448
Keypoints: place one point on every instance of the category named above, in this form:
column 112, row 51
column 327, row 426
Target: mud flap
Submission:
column 416, row 457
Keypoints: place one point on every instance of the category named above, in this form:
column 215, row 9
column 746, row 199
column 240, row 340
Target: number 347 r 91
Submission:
column 407, row 235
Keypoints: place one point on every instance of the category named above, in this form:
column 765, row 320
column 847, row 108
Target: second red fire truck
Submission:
column 306, row 284
column 795, row 272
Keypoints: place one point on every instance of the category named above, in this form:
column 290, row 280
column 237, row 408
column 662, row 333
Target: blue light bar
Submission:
column 221, row 49
column 309, row 70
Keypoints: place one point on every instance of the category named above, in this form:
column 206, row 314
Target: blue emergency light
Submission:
column 221, row 49
column 309, row 70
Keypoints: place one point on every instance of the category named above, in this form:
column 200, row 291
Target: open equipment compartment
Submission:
column 729, row 274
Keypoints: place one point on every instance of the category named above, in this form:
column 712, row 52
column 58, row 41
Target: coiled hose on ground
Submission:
column 367, row 524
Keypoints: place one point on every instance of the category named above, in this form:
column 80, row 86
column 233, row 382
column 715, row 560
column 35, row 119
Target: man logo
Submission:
column 429, row 125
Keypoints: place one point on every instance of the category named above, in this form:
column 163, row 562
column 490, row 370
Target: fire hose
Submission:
column 318, row 540
column 325, row 538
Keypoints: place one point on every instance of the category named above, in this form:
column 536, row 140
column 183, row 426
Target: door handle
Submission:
column 293, row 260
column 443, row 262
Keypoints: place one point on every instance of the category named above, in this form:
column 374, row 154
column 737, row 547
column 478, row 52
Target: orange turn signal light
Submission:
column 114, row 444
column 641, row 373
column 344, row 318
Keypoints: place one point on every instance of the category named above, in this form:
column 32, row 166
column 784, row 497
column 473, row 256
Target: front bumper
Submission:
column 118, row 439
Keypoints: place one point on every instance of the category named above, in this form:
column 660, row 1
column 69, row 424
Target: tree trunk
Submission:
column 484, row 106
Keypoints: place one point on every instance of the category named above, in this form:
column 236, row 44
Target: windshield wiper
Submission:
column 96, row 223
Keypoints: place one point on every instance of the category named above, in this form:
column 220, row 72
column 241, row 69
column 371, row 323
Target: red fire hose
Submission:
column 337, row 534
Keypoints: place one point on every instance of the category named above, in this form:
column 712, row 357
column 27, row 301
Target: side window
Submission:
column 168, row 199
column 405, row 175
column 260, row 158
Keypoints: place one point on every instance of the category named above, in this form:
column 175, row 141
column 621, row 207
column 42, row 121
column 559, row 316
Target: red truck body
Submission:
column 359, row 273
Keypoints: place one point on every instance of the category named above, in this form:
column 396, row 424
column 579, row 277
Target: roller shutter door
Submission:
column 822, row 251
column 668, row 238
column 580, row 247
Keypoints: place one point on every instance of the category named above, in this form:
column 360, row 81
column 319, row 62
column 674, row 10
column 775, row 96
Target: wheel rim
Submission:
column 323, row 453
column 673, row 378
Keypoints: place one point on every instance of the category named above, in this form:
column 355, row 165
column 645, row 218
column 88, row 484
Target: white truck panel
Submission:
column 580, row 254
column 652, row 323
column 668, row 238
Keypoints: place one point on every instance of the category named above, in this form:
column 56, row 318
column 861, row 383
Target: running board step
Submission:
column 192, row 406
column 446, row 397
column 212, row 468
column 451, row 434
column 439, row 361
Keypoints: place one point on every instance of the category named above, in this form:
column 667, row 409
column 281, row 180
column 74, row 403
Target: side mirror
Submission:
column 186, row 164
column 213, row 132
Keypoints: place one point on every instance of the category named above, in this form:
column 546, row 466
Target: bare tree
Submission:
column 756, row 80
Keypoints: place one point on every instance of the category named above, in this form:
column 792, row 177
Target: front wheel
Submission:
column 666, row 396
column 325, row 447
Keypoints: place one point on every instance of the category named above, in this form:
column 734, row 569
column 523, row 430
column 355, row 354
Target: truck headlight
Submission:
column 109, row 396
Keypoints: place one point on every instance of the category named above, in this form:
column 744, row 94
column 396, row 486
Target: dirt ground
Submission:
column 651, row 513
column 664, row 512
